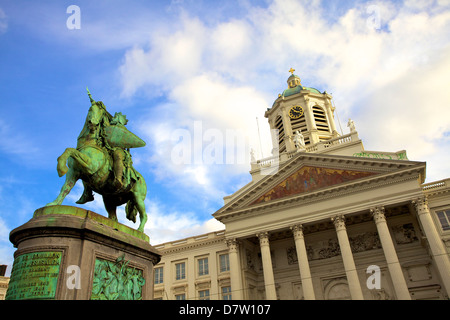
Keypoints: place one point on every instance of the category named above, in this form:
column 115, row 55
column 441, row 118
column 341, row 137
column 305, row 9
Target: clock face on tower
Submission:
column 295, row 112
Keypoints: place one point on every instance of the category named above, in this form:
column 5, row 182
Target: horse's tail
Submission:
column 131, row 210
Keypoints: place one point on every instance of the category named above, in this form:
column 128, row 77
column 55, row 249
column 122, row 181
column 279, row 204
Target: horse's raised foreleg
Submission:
column 82, row 159
column 71, row 179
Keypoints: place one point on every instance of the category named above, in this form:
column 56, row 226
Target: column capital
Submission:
column 421, row 204
column 339, row 222
column 297, row 230
column 232, row 244
column 263, row 238
column 378, row 214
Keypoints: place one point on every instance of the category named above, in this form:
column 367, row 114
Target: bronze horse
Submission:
column 92, row 162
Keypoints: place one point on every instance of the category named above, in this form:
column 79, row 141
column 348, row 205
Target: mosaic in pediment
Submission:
column 308, row 179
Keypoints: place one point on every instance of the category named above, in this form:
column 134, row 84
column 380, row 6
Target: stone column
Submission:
column 310, row 122
column 347, row 257
column 235, row 270
column 329, row 111
column 305, row 273
column 287, row 132
column 437, row 248
column 398, row 279
column 269, row 281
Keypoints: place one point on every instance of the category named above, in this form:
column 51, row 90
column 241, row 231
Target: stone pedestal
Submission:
column 68, row 253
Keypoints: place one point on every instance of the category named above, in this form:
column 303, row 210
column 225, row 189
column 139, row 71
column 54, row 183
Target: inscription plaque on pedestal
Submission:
column 34, row 276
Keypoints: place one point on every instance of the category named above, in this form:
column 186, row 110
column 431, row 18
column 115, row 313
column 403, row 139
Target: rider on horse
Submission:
column 102, row 161
column 124, row 173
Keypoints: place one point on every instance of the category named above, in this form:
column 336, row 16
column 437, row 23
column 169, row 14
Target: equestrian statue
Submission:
column 102, row 160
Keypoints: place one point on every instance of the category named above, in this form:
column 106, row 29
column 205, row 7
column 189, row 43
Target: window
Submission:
column 224, row 261
column 203, row 267
column 300, row 125
column 279, row 126
column 226, row 293
column 180, row 271
column 320, row 119
column 158, row 275
column 203, row 294
column 180, row 296
column 444, row 219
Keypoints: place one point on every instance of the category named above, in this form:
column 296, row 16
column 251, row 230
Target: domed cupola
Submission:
column 295, row 86
column 294, row 80
column 301, row 109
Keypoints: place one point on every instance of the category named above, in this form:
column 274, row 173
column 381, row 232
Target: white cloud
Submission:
column 164, row 225
column 196, row 141
column 418, row 4
column 197, row 174
column 416, row 113
column 390, row 78
column 172, row 57
column 206, row 74
column 230, row 40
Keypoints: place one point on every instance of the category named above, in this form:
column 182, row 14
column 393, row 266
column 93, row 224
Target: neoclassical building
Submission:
column 4, row 281
column 322, row 218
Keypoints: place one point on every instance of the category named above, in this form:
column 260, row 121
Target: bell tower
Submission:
column 302, row 109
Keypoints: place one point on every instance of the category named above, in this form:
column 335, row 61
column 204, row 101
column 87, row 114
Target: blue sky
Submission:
column 198, row 67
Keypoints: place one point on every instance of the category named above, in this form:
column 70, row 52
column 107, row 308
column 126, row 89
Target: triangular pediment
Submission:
column 310, row 176
column 308, row 179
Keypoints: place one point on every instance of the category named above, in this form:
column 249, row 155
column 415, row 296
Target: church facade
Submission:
column 322, row 218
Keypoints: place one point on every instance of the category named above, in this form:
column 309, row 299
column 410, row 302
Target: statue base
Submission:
column 68, row 253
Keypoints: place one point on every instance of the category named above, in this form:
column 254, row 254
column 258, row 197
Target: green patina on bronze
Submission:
column 102, row 160
column 115, row 280
column 50, row 211
column 34, row 276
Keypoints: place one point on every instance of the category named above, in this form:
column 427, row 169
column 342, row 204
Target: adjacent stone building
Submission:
column 322, row 218
column 4, row 281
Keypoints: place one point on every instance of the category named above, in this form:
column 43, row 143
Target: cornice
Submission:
column 436, row 188
column 436, row 193
column 191, row 245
